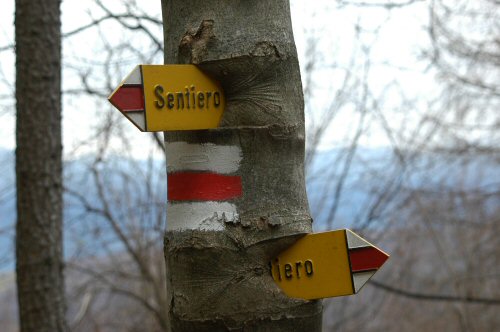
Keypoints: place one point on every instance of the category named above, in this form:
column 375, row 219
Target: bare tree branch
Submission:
column 434, row 297
column 383, row 4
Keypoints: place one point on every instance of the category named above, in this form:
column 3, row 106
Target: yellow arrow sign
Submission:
column 169, row 97
column 326, row 264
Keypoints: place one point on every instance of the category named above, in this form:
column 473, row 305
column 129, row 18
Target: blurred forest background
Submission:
column 403, row 146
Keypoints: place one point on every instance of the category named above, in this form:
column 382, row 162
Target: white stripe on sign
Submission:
column 355, row 241
column 360, row 279
column 137, row 118
column 204, row 216
column 221, row 159
column 134, row 77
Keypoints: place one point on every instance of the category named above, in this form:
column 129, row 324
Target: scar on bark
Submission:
column 193, row 46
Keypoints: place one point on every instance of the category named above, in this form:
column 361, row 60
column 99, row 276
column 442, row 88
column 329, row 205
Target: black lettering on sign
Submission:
column 170, row 100
column 201, row 98
column 291, row 271
column 297, row 268
column 189, row 98
column 309, row 267
column 193, row 95
column 278, row 269
column 288, row 270
column 216, row 99
column 208, row 97
column 160, row 102
column 180, row 100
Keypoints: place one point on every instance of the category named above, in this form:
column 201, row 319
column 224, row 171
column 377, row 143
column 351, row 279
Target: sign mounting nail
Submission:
column 169, row 97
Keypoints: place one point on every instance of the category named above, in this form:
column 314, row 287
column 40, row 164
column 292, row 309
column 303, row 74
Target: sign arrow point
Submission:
column 365, row 259
column 128, row 98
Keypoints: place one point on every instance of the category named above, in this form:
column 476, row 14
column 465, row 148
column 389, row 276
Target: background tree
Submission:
column 39, row 259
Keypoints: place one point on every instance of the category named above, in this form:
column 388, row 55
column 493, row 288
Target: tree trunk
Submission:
column 39, row 261
column 218, row 248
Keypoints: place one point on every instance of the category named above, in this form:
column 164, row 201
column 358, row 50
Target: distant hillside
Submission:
column 377, row 181
column 7, row 209
column 373, row 173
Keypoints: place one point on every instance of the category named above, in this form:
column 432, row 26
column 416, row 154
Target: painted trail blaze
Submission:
column 203, row 182
column 190, row 186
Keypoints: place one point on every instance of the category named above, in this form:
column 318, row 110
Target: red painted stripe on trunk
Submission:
column 128, row 98
column 366, row 258
column 187, row 186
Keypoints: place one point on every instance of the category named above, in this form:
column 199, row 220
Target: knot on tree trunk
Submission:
column 193, row 46
column 267, row 49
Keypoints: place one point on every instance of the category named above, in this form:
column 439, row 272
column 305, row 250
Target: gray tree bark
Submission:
column 39, row 261
column 220, row 280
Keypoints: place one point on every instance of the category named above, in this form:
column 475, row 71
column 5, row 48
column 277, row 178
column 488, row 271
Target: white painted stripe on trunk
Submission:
column 205, row 216
column 360, row 279
column 134, row 77
column 137, row 118
column 222, row 159
column 354, row 241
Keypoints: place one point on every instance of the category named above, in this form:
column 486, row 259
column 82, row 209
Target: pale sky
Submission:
column 397, row 42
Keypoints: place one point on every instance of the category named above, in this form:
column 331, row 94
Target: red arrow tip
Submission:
column 366, row 258
column 128, row 98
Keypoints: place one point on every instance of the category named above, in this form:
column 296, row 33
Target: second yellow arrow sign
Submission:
column 169, row 97
column 326, row 264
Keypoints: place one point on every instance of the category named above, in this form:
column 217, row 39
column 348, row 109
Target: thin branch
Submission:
column 434, row 297
column 138, row 26
column 109, row 16
column 7, row 47
column 118, row 290
column 386, row 5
